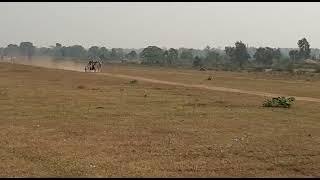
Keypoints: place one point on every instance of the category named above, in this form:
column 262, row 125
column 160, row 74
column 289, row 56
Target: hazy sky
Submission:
column 179, row 24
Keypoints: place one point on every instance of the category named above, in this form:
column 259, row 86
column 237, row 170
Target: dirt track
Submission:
column 215, row 88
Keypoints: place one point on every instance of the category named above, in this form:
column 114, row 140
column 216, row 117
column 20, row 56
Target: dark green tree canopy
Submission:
column 76, row 51
column 197, row 62
column 11, row 50
column 186, row 54
column 117, row 53
column 238, row 54
column 212, row 58
column 152, row 55
column 58, row 45
column 304, row 48
column 132, row 55
column 294, row 55
column 94, row 51
column 277, row 54
column 27, row 49
column 264, row 56
column 171, row 55
column 104, row 53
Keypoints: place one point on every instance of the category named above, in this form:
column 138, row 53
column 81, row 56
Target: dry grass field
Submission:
column 58, row 123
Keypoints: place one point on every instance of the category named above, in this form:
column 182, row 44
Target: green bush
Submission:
column 279, row 102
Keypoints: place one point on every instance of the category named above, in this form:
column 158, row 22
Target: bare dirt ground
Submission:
column 57, row 123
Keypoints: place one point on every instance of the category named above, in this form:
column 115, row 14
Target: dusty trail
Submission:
column 78, row 67
column 215, row 88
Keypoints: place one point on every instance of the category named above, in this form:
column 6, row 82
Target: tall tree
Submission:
column 93, row 51
column 212, row 58
column 304, row 48
column 152, row 55
column 238, row 54
column 171, row 56
column 58, row 45
column 27, row 49
column 1, row 53
column 277, row 54
column 57, row 50
column 197, row 62
column 104, row 53
column 117, row 53
column 294, row 55
column 264, row 56
column 207, row 50
column 11, row 50
column 186, row 54
column 132, row 55
column 75, row 51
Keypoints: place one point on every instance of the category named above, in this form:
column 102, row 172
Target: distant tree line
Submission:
column 237, row 56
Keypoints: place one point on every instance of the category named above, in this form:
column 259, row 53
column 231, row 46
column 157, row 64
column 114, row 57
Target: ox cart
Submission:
column 93, row 66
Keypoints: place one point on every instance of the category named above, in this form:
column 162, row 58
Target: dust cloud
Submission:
column 48, row 62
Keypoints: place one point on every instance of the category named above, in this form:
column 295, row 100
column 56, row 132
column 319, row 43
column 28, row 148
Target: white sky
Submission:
column 170, row 24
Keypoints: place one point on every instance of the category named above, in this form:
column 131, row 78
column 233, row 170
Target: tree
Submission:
column 57, row 51
column 212, row 58
column 43, row 51
column 27, row 49
column 294, row 55
column 186, row 54
column 230, row 51
column 264, row 56
column 171, row 56
column 104, row 53
column 58, row 45
column 117, row 53
column 238, row 54
column 197, row 62
column 1, row 53
column 304, row 48
column 75, row 51
column 277, row 54
column 132, row 55
column 152, row 55
column 93, row 51
column 11, row 50
column 207, row 50
column 78, row 51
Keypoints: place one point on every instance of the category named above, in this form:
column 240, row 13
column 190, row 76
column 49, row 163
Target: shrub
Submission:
column 133, row 81
column 279, row 102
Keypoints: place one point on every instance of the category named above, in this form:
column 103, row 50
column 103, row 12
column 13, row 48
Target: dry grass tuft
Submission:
column 81, row 87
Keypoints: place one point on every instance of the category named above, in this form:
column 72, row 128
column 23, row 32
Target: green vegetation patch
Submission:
column 279, row 102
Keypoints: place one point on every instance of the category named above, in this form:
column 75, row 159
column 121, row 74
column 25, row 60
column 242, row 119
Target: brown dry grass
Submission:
column 108, row 128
